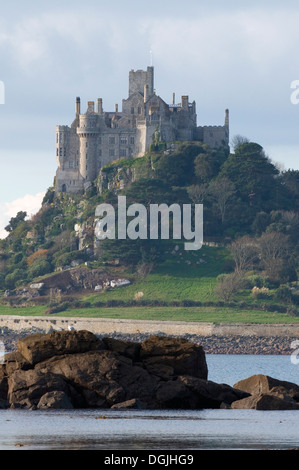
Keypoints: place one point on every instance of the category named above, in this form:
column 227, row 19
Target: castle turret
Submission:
column 88, row 133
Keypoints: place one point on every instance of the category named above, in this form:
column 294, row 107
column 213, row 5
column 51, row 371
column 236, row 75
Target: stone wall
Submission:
column 108, row 326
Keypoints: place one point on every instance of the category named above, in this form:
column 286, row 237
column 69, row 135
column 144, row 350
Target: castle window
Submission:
column 71, row 164
column 111, row 140
column 86, row 144
column 132, row 110
column 64, row 152
column 86, row 167
column 111, row 152
column 100, row 152
column 57, row 151
column 132, row 140
column 123, row 141
column 100, row 141
column 139, row 110
column 60, row 151
column 123, row 152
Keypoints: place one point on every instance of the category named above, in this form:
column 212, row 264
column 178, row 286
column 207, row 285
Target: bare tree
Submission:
column 221, row 190
column 238, row 140
column 198, row 192
column 244, row 251
column 274, row 251
column 228, row 285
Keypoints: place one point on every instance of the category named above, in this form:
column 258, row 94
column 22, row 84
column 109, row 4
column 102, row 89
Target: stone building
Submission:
column 98, row 137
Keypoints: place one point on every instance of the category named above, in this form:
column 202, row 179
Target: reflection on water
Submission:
column 149, row 430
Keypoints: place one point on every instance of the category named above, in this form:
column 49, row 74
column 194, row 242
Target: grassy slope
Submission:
column 176, row 279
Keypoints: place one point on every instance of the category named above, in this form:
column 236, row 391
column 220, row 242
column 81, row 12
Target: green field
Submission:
column 185, row 276
column 192, row 314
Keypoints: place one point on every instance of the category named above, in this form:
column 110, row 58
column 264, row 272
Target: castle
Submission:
column 99, row 137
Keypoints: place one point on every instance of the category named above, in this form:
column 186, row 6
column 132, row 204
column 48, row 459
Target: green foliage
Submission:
column 15, row 221
column 12, row 278
column 39, row 268
column 283, row 294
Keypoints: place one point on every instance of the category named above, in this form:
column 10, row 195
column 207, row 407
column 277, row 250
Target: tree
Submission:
column 198, row 192
column 228, row 285
column 244, row 251
column 205, row 167
column 221, row 191
column 274, row 252
column 238, row 140
column 254, row 177
column 15, row 221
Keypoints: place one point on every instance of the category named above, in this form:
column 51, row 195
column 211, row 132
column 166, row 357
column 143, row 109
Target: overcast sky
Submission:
column 241, row 55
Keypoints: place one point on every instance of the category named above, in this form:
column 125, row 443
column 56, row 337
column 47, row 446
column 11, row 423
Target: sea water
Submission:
column 164, row 430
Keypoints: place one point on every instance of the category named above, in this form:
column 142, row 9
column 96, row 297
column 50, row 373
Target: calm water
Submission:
column 185, row 430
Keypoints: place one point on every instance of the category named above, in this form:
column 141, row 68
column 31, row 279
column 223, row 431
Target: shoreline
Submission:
column 212, row 344
column 215, row 338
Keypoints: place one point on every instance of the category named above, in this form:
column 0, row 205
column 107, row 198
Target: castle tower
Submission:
column 140, row 78
column 88, row 133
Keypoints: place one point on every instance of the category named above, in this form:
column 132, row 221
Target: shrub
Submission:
column 283, row 294
column 292, row 311
column 39, row 268
column 12, row 278
column 260, row 292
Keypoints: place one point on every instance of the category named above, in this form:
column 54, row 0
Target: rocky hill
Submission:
column 56, row 253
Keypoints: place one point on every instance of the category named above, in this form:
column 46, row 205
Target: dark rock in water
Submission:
column 267, row 393
column 4, row 404
column 210, row 394
column 257, row 384
column 133, row 404
column 125, row 348
column 178, row 353
column 266, row 402
column 37, row 348
column 76, row 369
column 55, row 400
column 27, row 387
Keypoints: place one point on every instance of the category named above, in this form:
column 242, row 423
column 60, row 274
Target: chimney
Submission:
column 226, row 122
column 173, row 98
column 78, row 101
column 90, row 106
column 116, row 108
column 99, row 106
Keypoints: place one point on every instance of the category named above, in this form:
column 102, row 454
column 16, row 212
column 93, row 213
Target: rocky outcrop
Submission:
column 76, row 369
column 267, row 393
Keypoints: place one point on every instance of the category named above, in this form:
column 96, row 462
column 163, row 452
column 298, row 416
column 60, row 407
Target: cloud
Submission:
column 29, row 203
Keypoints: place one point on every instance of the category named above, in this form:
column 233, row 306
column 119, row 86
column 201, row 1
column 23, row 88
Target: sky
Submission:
column 240, row 55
